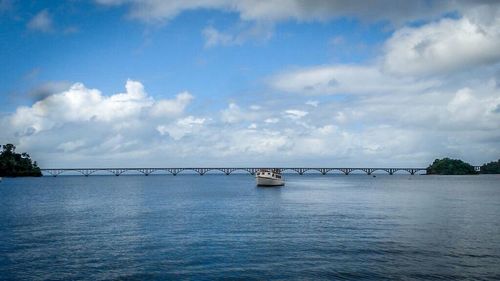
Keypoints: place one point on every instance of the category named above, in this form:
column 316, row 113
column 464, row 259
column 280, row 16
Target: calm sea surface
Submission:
column 194, row 227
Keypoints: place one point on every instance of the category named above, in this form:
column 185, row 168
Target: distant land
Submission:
column 14, row 164
column 447, row 166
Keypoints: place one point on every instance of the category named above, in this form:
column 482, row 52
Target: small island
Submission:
column 14, row 164
column 447, row 166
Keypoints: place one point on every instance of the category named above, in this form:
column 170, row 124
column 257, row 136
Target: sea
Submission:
column 218, row 227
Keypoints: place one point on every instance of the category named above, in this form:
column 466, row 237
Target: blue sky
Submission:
column 103, row 49
column 250, row 82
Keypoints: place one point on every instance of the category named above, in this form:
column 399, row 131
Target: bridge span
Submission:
column 227, row 171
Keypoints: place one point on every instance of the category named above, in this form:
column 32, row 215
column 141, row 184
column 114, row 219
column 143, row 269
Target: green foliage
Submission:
column 14, row 164
column 491, row 168
column 447, row 166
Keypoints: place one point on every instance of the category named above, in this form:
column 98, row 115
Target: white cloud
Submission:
column 234, row 114
column 81, row 126
column 280, row 10
column 258, row 18
column 272, row 120
column 41, row 22
column 71, row 145
column 295, row 114
column 467, row 108
column 444, row 46
column 346, row 79
column 181, row 127
column 81, row 104
column 166, row 108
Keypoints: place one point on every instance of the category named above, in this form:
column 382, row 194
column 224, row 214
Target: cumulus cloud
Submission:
column 181, row 127
column 444, row 46
column 48, row 88
column 234, row 113
column 81, row 126
column 82, row 104
column 166, row 108
column 41, row 22
column 83, row 121
column 79, row 104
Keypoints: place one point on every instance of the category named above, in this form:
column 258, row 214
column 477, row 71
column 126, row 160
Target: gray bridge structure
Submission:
column 227, row 171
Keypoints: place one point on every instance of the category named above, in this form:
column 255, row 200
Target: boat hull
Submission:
column 262, row 181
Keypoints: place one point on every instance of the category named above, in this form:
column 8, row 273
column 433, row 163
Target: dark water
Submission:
column 223, row 227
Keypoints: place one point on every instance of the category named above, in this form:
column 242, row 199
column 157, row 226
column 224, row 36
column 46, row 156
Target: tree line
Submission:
column 447, row 166
column 14, row 164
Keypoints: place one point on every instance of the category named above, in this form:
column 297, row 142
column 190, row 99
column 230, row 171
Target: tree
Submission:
column 9, row 148
column 447, row 166
column 491, row 168
column 14, row 164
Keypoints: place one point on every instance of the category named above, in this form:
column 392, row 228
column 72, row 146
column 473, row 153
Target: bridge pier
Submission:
column 252, row 171
column 54, row 172
column 86, row 172
column 368, row 171
column 411, row 171
column 323, row 171
column 201, row 171
column 174, row 171
column 301, row 171
column 146, row 171
column 346, row 171
column 227, row 171
column 116, row 172
column 390, row 171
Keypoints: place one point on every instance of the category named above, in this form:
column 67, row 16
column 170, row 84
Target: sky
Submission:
column 152, row 83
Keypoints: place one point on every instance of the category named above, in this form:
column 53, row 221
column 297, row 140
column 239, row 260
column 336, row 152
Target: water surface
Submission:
column 194, row 227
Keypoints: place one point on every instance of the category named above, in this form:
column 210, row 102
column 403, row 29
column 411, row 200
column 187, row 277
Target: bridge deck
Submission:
column 227, row 170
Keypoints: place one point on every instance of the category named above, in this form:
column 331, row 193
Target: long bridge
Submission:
column 227, row 171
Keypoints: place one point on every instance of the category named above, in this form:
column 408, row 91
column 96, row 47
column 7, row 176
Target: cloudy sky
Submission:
column 250, row 82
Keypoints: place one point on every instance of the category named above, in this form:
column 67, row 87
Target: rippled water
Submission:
column 213, row 227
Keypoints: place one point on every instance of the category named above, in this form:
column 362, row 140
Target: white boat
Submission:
column 266, row 177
